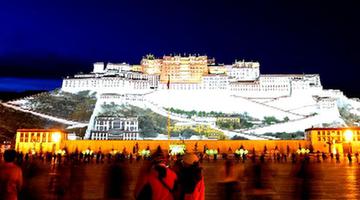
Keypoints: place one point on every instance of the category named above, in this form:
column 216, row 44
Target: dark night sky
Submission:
column 48, row 39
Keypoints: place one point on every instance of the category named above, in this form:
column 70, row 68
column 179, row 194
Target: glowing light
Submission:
column 61, row 152
column 303, row 151
column 241, row 151
column 55, row 137
column 177, row 149
column 211, row 152
column 88, row 152
column 113, row 152
column 145, row 153
column 348, row 135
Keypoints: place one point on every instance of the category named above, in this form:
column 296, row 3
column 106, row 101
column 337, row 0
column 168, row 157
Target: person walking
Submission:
column 158, row 182
column 229, row 187
column 11, row 178
column 191, row 179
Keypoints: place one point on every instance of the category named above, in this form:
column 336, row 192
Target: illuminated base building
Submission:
column 190, row 73
column 40, row 140
column 115, row 128
column 334, row 140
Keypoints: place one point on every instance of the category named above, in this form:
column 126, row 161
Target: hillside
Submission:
column 76, row 107
column 257, row 116
column 11, row 120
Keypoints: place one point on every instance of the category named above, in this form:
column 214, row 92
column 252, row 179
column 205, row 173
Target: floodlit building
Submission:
column 191, row 73
column 151, row 65
column 39, row 140
column 115, row 128
column 179, row 69
column 335, row 140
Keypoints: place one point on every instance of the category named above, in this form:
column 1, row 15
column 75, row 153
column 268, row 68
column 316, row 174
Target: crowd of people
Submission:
column 161, row 176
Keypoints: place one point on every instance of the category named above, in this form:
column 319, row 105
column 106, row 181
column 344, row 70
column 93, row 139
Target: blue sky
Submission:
column 24, row 84
column 53, row 39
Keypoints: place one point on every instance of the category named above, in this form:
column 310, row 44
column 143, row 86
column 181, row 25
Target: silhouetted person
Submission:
column 191, row 180
column 303, row 178
column 76, row 181
column 32, row 187
column 262, row 158
column 349, row 157
column 323, row 155
column 117, row 181
column 258, row 181
column 337, row 157
column 60, row 181
column 98, row 156
column 293, row 158
column 11, row 178
column 229, row 187
column 156, row 181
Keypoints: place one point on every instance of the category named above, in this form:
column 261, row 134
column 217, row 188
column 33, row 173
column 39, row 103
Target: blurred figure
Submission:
column 318, row 156
column 191, row 180
column 323, row 155
column 117, row 181
column 293, row 157
column 59, row 182
column 11, row 179
column 76, row 181
column 337, row 156
column 229, row 187
column 32, row 187
column 259, row 183
column 19, row 158
column 349, row 157
column 99, row 156
column 262, row 158
column 303, row 173
column 156, row 181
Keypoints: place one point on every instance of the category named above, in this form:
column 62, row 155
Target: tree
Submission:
column 286, row 119
column 270, row 120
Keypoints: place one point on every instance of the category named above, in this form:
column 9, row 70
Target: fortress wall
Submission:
column 223, row 145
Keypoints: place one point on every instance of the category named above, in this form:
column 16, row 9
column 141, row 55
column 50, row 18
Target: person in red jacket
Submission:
column 11, row 178
column 191, row 179
column 158, row 182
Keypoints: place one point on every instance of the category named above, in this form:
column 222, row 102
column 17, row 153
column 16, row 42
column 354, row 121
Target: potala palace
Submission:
column 196, row 83
column 191, row 73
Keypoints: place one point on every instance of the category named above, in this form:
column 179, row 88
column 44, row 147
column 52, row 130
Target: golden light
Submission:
column 348, row 135
column 55, row 137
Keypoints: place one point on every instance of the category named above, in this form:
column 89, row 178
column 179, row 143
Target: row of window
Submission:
column 35, row 137
column 135, row 84
column 336, row 139
column 105, row 136
column 323, row 133
column 106, row 128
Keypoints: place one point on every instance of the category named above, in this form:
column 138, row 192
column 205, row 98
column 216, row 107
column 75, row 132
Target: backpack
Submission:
column 146, row 192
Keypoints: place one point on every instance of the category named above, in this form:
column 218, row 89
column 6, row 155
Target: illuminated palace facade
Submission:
column 341, row 139
column 190, row 73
